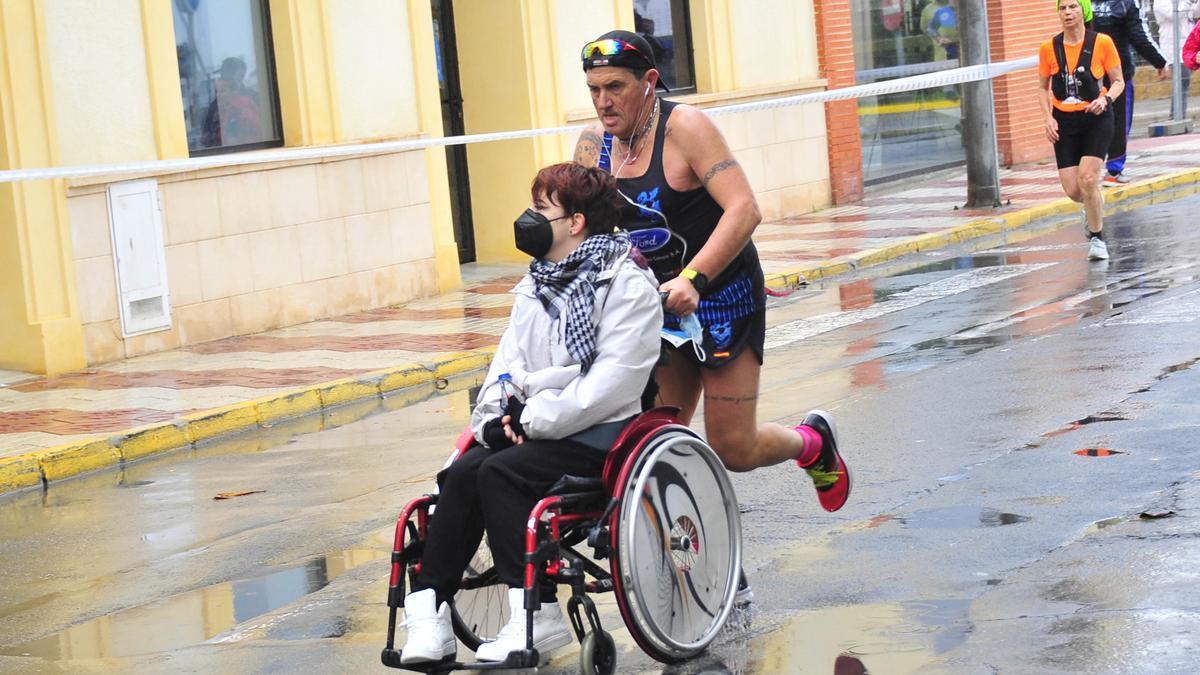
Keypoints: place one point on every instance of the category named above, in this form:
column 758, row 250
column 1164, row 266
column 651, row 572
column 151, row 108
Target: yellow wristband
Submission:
column 688, row 273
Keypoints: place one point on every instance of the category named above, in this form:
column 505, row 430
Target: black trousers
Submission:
column 494, row 490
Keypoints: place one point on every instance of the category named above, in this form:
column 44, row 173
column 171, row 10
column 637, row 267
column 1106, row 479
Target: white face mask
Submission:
column 689, row 330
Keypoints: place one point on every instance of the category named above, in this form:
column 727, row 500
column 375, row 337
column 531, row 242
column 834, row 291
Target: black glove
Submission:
column 494, row 436
column 513, row 408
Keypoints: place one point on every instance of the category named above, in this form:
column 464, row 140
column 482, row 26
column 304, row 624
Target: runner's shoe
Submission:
column 745, row 594
column 829, row 473
column 1119, row 179
column 1098, row 250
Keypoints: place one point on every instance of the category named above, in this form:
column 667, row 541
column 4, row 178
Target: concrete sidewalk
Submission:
column 54, row 428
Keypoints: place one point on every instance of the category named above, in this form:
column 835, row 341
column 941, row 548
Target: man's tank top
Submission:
column 670, row 227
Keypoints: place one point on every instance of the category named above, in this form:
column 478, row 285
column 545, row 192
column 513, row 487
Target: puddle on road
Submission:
column 959, row 517
column 1107, row 416
column 1098, row 452
column 193, row 617
column 897, row 639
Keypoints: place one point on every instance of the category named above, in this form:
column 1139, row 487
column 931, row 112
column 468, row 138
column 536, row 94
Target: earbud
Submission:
column 647, row 89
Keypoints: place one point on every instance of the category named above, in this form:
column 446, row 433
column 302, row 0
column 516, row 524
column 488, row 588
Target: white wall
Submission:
column 775, row 42
column 373, row 68
column 577, row 24
column 97, row 59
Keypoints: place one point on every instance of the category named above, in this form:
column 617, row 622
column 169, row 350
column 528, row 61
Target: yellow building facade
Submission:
column 244, row 248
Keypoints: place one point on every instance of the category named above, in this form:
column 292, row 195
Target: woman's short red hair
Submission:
column 581, row 189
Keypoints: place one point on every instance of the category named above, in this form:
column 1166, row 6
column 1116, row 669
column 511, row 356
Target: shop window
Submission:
column 913, row 132
column 227, row 75
column 666, row 25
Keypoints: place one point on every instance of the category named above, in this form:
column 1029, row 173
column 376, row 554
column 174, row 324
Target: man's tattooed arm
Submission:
column 716, row 169
column 587, row 150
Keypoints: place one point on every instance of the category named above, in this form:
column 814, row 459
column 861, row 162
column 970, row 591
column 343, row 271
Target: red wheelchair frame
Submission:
column 575, row 510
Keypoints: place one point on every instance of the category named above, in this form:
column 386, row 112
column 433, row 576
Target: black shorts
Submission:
column 724, row 342
column 1080, row 135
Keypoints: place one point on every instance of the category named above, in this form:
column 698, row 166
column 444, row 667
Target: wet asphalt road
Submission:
column 977, row 540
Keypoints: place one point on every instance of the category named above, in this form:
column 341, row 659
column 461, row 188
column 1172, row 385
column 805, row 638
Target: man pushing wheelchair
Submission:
column 561, row 401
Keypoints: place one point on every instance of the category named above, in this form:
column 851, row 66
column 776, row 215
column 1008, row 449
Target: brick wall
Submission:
column 1017, row 30
column 835, row 46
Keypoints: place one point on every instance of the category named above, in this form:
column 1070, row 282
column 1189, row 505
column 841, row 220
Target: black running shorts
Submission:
column 1080, row 135
column 724, row 342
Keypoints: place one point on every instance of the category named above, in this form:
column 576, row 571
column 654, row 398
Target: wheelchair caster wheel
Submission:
column 598, row 654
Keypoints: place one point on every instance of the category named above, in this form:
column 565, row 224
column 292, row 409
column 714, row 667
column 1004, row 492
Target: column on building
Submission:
column 835, row 38
column 39, row 310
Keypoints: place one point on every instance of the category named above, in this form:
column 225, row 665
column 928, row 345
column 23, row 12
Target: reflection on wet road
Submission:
column 964, row 383
column 165, row 624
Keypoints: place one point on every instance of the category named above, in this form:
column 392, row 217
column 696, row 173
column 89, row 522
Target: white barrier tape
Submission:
column 876, row 74
column 938, row 79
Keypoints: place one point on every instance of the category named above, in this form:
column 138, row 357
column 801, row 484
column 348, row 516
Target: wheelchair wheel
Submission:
column 480, row 607
column 678, row 547
column 597, row 654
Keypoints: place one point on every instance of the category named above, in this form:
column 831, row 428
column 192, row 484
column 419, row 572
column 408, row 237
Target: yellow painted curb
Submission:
column 465, row 363
column 970, row 230
column 347, row 390
column 404, row 378
column 32, row 468
column 19, row 472
column 204, row 425
column 74, row 459
column 153, row 440
column 271, row 410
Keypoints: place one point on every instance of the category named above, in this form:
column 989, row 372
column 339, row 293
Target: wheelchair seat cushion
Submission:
column 576, row 485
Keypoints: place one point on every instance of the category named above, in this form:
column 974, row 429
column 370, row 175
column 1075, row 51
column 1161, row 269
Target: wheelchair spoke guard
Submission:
column 677, row 535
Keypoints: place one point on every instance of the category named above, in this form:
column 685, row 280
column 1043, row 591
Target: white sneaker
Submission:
column 1098, row 249
column 430, row 635
column 550, row 630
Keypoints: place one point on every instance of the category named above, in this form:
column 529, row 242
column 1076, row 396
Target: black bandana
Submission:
column 570, row 285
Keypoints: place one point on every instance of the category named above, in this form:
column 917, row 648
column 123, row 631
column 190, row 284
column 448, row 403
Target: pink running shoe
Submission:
column 829, row 473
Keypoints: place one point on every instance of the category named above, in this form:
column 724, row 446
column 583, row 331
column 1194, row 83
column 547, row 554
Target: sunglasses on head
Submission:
column 607, row 48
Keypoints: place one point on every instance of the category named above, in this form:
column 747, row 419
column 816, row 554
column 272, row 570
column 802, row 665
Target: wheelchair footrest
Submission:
column 523, row 659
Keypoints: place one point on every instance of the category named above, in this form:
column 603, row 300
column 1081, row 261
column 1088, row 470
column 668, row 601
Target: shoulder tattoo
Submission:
column 718, row 168
column 587, row 150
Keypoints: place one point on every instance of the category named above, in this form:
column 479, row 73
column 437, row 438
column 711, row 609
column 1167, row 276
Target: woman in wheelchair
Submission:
column 568, row 374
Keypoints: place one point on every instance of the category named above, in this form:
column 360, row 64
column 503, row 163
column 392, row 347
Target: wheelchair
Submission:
column 663, row 514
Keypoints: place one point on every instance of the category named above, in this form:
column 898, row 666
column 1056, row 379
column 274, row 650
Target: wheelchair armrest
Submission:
column 576, row 484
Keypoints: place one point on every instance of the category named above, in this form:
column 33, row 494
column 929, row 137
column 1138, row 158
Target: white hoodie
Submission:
column 1189, row 11
column 559, row 401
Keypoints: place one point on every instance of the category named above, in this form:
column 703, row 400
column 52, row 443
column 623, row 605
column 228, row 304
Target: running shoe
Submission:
column 745, row 594
column 1098, row 250
column 1119, row 179
column 829, row 473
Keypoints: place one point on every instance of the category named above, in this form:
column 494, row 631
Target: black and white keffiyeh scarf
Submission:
column 569, row 286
